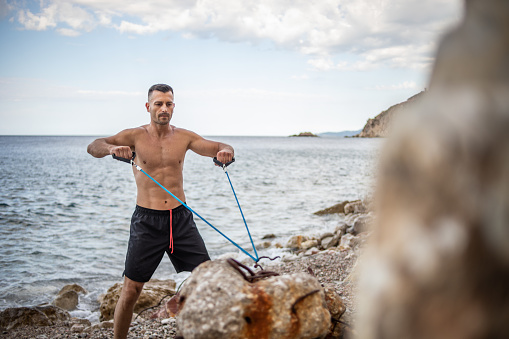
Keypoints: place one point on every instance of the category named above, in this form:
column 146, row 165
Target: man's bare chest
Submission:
column 158, row 154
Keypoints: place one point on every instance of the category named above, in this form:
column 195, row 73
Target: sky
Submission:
column 249, row 68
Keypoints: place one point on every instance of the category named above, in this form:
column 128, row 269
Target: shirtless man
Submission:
column 159, row 223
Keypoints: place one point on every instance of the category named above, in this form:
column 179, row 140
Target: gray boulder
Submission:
column 218, row 302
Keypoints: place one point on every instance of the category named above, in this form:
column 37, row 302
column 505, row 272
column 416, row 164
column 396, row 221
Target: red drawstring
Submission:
column 171, row 231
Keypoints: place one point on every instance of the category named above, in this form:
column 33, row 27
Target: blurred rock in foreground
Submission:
column 437, row 265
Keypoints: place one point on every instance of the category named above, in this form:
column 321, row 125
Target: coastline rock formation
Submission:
column 437, row 263
column 380, row 125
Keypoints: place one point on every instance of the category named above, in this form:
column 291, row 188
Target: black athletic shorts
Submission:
column 150, row 238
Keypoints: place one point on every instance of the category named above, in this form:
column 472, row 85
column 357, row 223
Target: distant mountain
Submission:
column 379, row 125
column 339, row 134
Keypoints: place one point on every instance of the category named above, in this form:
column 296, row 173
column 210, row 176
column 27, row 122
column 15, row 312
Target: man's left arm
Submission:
column 223, row 152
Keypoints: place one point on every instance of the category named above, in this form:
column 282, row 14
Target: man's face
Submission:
column 160, row 107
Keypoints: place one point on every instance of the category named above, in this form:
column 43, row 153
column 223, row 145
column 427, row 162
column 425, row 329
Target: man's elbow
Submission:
column 92, row 148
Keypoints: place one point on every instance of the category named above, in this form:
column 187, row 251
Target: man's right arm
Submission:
column 120, row 144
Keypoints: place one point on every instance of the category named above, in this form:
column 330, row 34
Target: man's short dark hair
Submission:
column 161, row 88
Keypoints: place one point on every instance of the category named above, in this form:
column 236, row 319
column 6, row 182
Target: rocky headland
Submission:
column 379, row 126
column 329, row 257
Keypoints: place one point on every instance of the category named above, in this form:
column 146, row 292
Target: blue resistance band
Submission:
column 199, row 216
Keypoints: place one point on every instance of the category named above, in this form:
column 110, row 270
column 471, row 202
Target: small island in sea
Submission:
column 304, row 134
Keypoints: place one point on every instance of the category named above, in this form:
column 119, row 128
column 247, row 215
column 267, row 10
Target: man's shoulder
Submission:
column 184, row 132
column 136, row 131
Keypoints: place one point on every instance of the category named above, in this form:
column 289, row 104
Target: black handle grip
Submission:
column 124, row 159
column 220, row 164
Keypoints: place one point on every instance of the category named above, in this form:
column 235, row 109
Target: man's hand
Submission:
column 122, row 151
column 224, row 156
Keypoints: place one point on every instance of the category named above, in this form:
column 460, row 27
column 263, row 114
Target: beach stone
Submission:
column 79, row 321
column 265, row 244
column 329, row 242
column 309, row 244
column 153, row 292
column 78, row 328
column 217, row 302
column 356, row 206
column 338, row 208
column 312, row 251
column 67, row 300
column 347, row 241
column 437, row 262
column 73, row 287
column 12, row 318
column 341, row 229
column 295, row 242
column 326, row 235
column 99, row 326
column 361, row 224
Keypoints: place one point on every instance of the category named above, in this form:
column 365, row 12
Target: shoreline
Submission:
column 332, row 266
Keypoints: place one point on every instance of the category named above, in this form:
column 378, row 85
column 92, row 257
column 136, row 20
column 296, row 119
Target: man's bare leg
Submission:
column 125, row 307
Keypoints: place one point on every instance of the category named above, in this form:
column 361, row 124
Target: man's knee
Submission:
column 131, row 290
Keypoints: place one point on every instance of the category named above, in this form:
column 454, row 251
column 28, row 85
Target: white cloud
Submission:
column 396, row 33
column 97, row 94
column 23, row 89
column 401, row 86
column 68, row 32
column 37, row 22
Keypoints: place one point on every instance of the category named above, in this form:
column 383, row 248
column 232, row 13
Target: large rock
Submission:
column 68, row 300
column 153, row 292
column 68, row 297
column 12, row 318
column 217, row 302
column 437, row 265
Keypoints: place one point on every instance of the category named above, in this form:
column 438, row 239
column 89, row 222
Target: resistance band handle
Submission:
column 124, row 159
column 220, row 164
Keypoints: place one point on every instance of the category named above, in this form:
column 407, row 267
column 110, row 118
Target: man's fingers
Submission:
column 122, row 152
column 224, row 157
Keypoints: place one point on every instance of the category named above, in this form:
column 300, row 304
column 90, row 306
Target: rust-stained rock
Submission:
column 336, row 309
column 153, row 292
column 217, row 302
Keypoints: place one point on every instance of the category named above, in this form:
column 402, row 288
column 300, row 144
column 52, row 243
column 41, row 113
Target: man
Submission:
column 159, row 223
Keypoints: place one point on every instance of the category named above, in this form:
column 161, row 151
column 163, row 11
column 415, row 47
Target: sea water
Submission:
column 64, row 215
